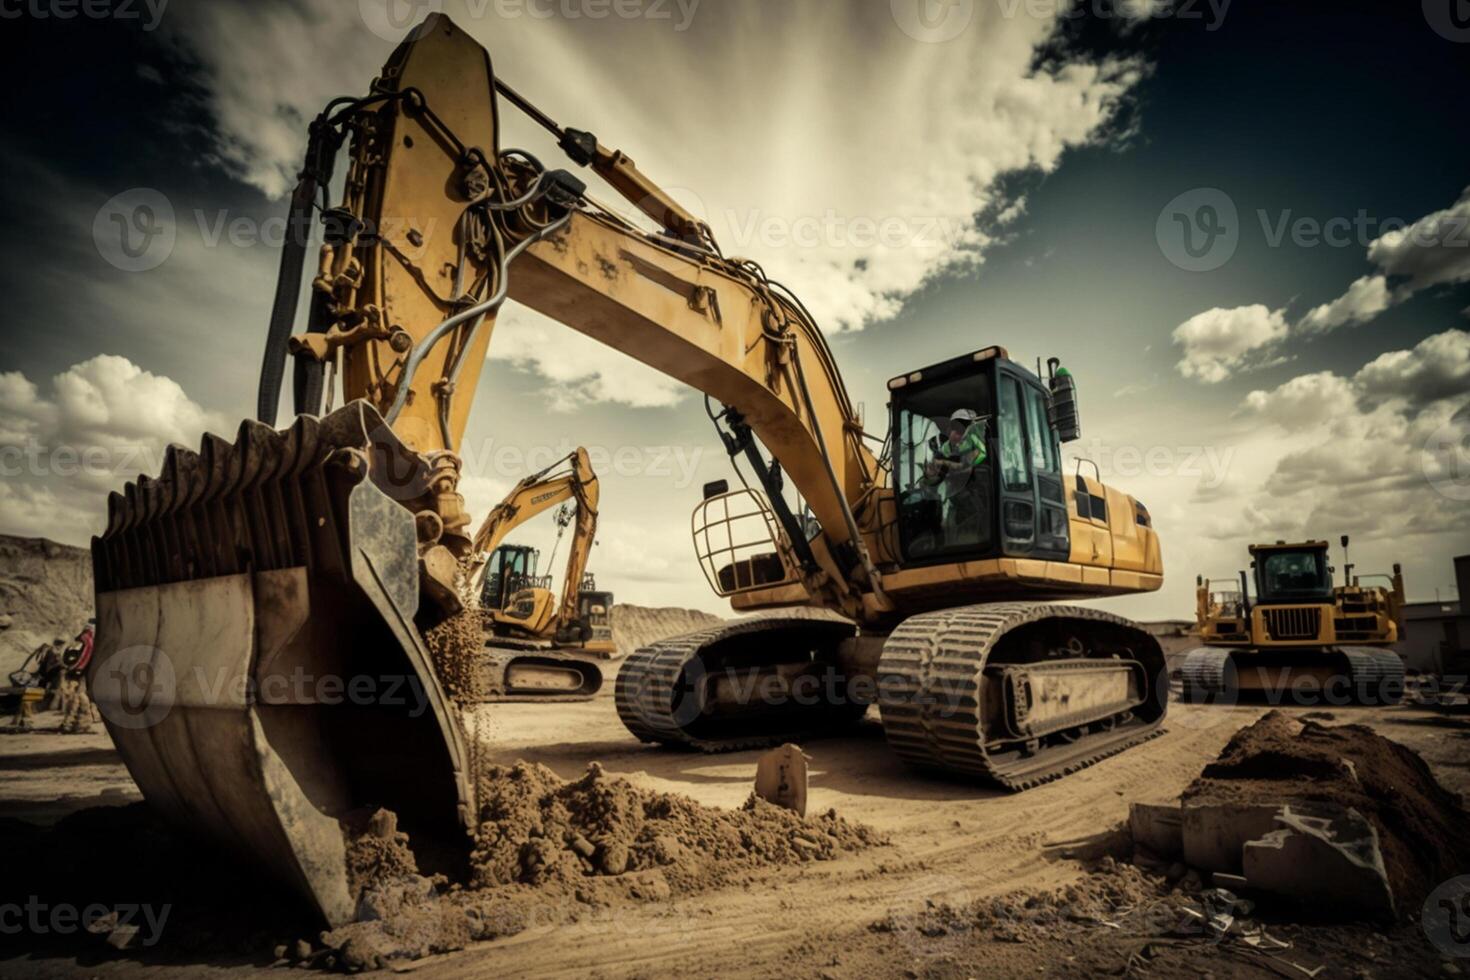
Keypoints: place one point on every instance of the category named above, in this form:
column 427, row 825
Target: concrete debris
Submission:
column 1330, row 861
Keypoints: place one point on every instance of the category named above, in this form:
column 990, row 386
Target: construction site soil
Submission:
column 897, row 874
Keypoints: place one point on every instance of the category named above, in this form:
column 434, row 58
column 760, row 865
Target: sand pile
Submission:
column 1420, row 824
column 636, row 626
column 550, row 852
column 537, row 829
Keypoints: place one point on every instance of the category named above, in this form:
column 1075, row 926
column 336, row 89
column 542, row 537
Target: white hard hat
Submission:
column 964, row 415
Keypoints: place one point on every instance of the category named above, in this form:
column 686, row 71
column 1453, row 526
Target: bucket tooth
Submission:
column 257, row 660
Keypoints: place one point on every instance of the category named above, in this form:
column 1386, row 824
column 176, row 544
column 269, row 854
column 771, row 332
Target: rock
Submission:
column 581, row 845
column 612, row 858
column 301, row 950
column 123, row 937
column 355, row 956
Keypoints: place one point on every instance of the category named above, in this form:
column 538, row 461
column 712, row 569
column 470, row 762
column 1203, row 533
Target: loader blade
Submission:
column 257, row 663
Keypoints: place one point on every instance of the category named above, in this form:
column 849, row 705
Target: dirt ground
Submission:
column 892, row 910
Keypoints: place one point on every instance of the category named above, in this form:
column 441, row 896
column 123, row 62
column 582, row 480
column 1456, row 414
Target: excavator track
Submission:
column 511, row 673
column 659, row 690
column 1347, row 676
column 931, row 679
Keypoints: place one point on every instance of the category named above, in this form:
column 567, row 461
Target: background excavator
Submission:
column 541, row 647
column 1301, row 639
column 326, row 549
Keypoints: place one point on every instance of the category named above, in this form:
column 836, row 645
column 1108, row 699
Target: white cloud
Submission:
column 577, row 370
column 104, row 421
column 804, row 170
column 1303, row 402
column 1432, row 251
column 1380, row 455
column 1365, row 298
column 1439, row 367
column 1219, row 341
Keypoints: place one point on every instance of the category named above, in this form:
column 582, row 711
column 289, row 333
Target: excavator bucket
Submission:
column 257, row 662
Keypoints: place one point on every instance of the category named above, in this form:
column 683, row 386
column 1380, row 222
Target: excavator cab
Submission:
column 977, row 463
column 511, row 569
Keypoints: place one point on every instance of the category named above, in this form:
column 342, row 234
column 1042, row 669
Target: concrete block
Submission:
column 1213, row 834
column 1329, row 860
column 1157, row 827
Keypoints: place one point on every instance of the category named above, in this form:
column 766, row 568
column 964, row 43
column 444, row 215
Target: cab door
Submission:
column 1033, row 506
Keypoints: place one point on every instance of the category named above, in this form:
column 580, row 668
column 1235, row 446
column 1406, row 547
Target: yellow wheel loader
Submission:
column 1300, row 640
column 261, row 602
column 540, row 647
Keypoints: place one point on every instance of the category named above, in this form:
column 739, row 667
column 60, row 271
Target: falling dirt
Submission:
column 457, row 647
column 1420, row 824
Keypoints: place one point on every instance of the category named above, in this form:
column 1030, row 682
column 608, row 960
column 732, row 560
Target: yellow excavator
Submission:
column 541, row 647
column 324, row 550
column 1301, row 640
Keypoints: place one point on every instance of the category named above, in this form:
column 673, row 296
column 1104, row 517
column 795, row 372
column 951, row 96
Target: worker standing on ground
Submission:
column 953, row 470
column 76, row 706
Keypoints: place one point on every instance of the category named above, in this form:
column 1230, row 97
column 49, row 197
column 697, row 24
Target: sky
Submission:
column 1244, row 226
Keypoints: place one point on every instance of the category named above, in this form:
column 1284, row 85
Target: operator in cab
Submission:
column 953, row 469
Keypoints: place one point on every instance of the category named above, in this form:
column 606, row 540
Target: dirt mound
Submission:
column 1278, row 760
column 46, row 590
column 536, row 829
column 638, row 626
column 549, row 851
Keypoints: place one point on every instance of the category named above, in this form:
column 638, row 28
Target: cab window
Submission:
column 1013, row 463
column 942, row 468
